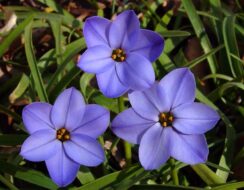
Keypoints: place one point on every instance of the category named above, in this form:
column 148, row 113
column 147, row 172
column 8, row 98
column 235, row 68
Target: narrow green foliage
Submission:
column 200, row 32
column 30, row 55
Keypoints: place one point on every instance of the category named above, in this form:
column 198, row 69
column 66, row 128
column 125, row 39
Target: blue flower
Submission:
column 120, row 53
column 64, row 135
column 166, row 121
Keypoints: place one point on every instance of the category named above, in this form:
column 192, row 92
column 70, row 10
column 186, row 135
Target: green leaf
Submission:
column 219, row 92
column 226, row 157
column 57, row 33
column 231, row 46
column 85, row 176
column 200, row 32
column 28, row 175
column 163, row 187
column 198, row 60
column 173, row 33
column 165, row 20
column 14, row 34
column 67, row 17
column 7, row 183
column 218, row 76
column 229, row 186
column 118, row 180
column 64, row 82
column 218, row 167
column 207, row 175
column 84, row 82
column 109, row 103
column 29, row 50
column 20, row 89
column 71, row 50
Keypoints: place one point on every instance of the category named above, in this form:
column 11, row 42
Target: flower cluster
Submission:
column 164, row 119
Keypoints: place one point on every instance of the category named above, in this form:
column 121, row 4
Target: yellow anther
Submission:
column 63, row 130
column 171, row 118
column 119, row 51
column 166, row 119
column 122, row 58
column 63, row 134
column 59, row 136
column 114, row 56
column 118, row 55
column 66, row 137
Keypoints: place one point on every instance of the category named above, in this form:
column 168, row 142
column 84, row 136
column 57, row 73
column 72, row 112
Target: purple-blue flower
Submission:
column 120, row 53
column 64, row 135
column 166, row 121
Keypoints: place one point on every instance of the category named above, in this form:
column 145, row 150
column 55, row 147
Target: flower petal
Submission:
column 190, row 149
column 129, row 126
column 96, row 59
column 84, row 150
column 36, row 116
column 149, row 45
column 95, row 31
column 149, row 103
column 110, row 84
column 61, row 168
column 124, row 30
column 195, row 118
column 40, row 145
column 154, row 147
column 95, row 121
column 137, row 72
column 179, row 87
column 68, row 109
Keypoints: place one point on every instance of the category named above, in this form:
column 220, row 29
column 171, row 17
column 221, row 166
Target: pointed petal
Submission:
column 149, row 45
column 36, row 116
column 154, row 147
column 190, row 149
column 179, row 87
column 137, row 72
column 95, row 121
column 61, row 168
column 129, row 126
column 95, row 31
column 40, row 145
column 110, row 84
column 68, row 109
column 96, row 59
column 84, row 150
column 124, row 30
column 194, row 118
column 149, row 103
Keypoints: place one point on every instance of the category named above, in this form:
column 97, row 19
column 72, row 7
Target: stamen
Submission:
column 118, row 55
column 166, row 119
column 63, row 134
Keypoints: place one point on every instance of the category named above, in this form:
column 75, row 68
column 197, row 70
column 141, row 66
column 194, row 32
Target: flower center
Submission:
column 118, row 55
column 63, row 134
column 166, row 119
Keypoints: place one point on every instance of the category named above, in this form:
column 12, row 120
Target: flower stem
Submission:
column 105, row 163
column 174, row 171
column 7, row 183
column 127, row 146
